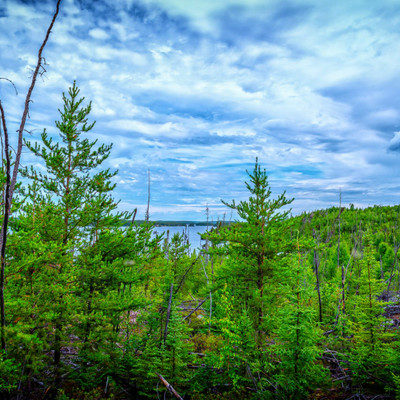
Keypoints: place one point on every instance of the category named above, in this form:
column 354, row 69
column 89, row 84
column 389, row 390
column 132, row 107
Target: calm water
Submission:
column 192, row 231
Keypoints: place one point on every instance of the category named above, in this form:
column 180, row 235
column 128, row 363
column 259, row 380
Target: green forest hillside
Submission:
column 274, row 307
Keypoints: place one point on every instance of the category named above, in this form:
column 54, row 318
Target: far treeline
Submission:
column 178, row 223
column 274, row 307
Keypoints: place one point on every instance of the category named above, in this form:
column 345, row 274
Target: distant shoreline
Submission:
column 180, row 223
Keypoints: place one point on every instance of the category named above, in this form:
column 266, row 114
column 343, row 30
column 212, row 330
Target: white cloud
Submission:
column 167, row 129
column 196, row 100
column 97, row 33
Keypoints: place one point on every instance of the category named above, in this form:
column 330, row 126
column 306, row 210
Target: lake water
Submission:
column 192, row 231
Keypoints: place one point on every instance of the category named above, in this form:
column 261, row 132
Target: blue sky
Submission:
column 195, row 90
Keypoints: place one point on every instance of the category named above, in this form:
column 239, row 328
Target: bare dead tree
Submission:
column 12, row 180
column 147, row 217
column 338, row 257
column 168, row 312
column 4, row 227
column 316, row 265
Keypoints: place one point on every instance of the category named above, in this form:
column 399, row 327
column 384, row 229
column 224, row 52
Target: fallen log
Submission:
column 193, row 311
column 169, row 387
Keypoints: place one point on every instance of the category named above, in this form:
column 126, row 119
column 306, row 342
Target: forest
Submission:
column 274, row 306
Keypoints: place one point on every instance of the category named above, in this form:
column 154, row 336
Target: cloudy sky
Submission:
column 195, row 90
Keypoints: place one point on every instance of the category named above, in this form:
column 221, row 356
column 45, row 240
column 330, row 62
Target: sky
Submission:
column 195, row 90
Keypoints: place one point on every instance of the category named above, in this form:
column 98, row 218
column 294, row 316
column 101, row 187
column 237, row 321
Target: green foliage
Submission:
column 370, row 339
column 297, row 336
column 236, row 348
column 97, row 307
column 9, row 374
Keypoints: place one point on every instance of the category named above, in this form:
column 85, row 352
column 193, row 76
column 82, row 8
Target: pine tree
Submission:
column 254, row 246
column 70, row 180
column 71, row 208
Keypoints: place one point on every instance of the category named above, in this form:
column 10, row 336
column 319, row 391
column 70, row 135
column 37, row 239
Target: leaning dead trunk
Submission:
column 11, row 181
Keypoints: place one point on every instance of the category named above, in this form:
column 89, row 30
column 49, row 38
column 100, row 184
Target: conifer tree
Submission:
column 77, row 197
column 70, row 180
column 255, row 244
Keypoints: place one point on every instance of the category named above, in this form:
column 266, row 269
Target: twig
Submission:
column 252, row 377
column 12, row 83
column 105, row 389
